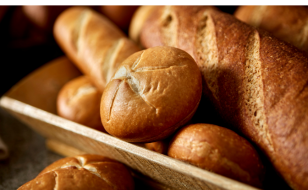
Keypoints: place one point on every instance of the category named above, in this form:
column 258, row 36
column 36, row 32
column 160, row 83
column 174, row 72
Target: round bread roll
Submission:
column 219, row 150
column 79, row 101
column 91, row 172
column 152, row 93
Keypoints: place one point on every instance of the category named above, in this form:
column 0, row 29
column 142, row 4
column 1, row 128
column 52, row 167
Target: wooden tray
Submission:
column 33, row 101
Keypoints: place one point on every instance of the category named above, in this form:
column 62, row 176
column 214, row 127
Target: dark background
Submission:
column 25, row 47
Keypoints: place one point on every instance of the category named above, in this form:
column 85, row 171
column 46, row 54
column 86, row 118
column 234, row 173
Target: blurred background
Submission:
column 26, row 39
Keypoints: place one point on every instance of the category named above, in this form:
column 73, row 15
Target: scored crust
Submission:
column 83, row 172
column 152, row 94
column 93, row 43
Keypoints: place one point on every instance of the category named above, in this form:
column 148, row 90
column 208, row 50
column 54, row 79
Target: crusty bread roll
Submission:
column 79, row 101
column 91, row 172
column 288, row 23
column 153, row 93
column 219, row 150
column 93, row 43
column 257, row 82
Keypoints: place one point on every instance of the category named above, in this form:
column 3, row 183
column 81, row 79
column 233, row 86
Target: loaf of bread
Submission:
column 79, row 101
column 91, row 172
column 93, row 43
column 219, row 150
column 288, row 23
column 153, row 93
column 257, row 82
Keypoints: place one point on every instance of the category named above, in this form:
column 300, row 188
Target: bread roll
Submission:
column 153, row 93
column 219, row 150
column 89, row 172
column 256, row 82
column 94, row 43
column 79, row 101
column 288, row 23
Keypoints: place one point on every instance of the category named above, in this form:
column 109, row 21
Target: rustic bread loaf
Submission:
column 288, row 23
column 89, row 172
column 79, row 101
column 219, row 150
column 257, row 82
column 153, row 93
column 93, row 43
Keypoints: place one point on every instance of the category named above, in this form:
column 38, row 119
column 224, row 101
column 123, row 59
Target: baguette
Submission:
column 288, row 23
column 93, row 43
column 257, row 83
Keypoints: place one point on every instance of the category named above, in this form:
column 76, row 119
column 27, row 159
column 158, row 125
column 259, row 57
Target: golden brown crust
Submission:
column 171, row 25
column 152, row 94
column 270, row 103
column 79, row 101
column 257, row 82
column 219, row 150
column 94, row 43
column 83, row 172
column 288, row 23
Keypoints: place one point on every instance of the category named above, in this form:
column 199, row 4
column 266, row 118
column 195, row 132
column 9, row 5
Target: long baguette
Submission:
column 93, row 43
column 258, row 83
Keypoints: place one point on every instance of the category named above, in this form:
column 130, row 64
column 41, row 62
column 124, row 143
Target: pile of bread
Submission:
column 147, row 88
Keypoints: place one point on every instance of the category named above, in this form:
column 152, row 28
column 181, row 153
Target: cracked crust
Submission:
column 153, row 93
column 83, row 172
column 278, row 90
column 219, row 150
